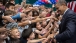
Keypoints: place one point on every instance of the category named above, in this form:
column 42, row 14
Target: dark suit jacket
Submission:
column 7, row 41
column 67, row 28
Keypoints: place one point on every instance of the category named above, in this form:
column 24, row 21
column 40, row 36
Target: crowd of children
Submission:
column 27, row 24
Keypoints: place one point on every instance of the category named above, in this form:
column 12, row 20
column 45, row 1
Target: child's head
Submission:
column 42, row 7
column 17, row 8
column 23, row 3
column 53, row 14
column 1, row 2
column 29, row 13
column 10, row 6
column 12, row 1
column 23, row 19
column 28, row 34
column 9, row 13
column 43, row 14
column 44, row 23
column 35, row 13
column 38, row 26
column 3, row 33
column 14, row 33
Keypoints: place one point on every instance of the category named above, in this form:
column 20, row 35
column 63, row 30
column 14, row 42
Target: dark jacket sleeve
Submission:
column 0, row 17
column 69, row 32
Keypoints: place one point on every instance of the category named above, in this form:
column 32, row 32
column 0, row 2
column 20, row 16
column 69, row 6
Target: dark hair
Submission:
column 9, row 4
column 35, row 13
column 8, row 12
column 14, row 40
column 61, row 2
column 28, row 12
column 1, row 11
column 26, row 33
column 1, row 1
column 10, row 1
column 19, row 20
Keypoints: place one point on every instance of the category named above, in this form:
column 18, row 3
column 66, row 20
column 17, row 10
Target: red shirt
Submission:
column 48, row 15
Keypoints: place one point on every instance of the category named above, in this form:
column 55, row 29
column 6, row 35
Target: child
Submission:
column 10, row 6
column 43, row 14
column 1, row 5
column 45, row 30
column 14, row 35
column 29, row 36
column 4, row 17
column 7, row 13
column 3, row 35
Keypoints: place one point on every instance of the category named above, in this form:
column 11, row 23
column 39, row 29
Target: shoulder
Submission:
column 23, row 40
column 70, row 14
column 11, row 25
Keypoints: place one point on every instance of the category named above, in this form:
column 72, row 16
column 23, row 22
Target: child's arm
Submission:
column 48, row 25
column 7, row 18
column 33, row 21
column 18, row 16
column 35, row 41
column 45, row 35
column 38, row 32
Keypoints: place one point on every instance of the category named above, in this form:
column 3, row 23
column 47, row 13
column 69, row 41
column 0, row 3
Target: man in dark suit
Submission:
column 67, row 28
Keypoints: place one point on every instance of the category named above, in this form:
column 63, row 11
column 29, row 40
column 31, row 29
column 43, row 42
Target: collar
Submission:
column 66, row 10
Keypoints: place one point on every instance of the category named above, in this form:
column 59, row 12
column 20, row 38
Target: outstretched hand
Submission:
column 9, row 18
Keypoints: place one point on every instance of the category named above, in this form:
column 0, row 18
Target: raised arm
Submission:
column 36, row 41
column 45, row 35
column 49, row 24
column 33, row 21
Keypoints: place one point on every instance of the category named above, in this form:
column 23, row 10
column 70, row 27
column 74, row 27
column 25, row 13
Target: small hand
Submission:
column 9, row 18
column 52, row 36
column 38, row 19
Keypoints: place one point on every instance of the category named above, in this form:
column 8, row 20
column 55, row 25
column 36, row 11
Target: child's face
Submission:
column 15, row 33
column 43, row 14
column 1, row 4
column 38, row 26
column 23, row 19
column 53, row 14
column 32, row 36
column 12, row 8
column 3, row 34
column 52, row 20
column 44, row 23
column 30, row 14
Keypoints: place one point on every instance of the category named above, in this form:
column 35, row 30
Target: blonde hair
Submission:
column 12, row 29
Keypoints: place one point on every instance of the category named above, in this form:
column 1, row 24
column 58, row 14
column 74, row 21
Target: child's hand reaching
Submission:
column 51, row 26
